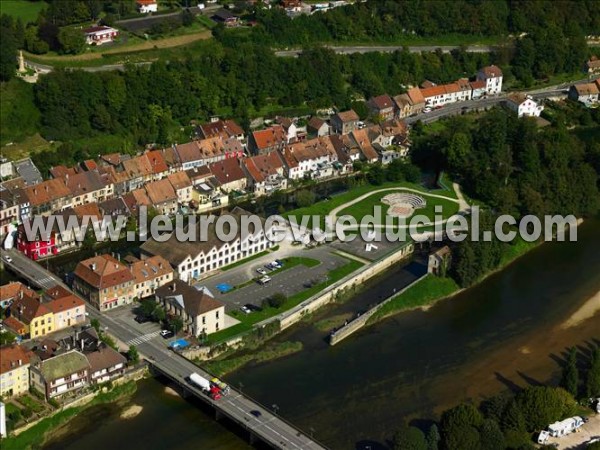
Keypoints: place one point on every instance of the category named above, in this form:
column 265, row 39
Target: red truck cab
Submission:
column 215, row 393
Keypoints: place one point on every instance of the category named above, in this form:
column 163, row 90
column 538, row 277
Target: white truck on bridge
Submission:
column 207, row 387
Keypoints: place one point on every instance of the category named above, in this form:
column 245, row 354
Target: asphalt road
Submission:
column 347, row 50
column 236, row 406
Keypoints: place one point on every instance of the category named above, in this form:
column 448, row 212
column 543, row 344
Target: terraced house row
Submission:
column 56, row 368
column 192, row 177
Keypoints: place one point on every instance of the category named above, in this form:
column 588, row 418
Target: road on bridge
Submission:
column 262, row 421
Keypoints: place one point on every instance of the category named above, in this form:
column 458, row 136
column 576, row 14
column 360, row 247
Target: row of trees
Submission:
column 502, row 422
column 388, row 20
column 572, row 380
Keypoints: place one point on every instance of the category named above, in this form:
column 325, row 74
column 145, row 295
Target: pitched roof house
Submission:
column 267, row 140
column 104, row 281
column 344, row 122
column 162, row 196
column 200, row 313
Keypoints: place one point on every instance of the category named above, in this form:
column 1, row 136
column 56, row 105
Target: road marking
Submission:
column 141, row 339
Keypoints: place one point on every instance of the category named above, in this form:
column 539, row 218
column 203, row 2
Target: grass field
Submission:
column 324, row 207
column 367, row 207
column 21, row 9
column 428, row 290
column 225, row 365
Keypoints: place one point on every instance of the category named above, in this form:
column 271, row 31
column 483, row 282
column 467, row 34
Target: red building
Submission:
column 40, row 247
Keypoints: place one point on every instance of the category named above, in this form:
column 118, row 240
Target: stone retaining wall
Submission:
column 361, row 321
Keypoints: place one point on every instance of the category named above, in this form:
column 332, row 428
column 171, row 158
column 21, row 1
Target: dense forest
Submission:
column 514, row 168
column 389, row 20
column 510, row 421
column 144, row 102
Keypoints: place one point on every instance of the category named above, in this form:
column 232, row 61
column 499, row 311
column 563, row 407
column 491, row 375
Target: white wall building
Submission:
column 492, row 75
column 524, row 105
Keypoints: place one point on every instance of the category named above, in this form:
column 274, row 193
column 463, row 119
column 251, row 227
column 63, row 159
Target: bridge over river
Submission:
column 260, row 422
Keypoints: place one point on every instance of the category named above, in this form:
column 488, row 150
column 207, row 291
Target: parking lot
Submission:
column 288, row 281
column 358, row 247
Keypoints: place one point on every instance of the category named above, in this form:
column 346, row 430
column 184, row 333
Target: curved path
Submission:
column 463, row 206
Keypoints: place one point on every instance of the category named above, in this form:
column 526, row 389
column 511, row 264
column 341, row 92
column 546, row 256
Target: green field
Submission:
column 22, row 9
column 428, row 290
column 324, row 207
column 367, row 207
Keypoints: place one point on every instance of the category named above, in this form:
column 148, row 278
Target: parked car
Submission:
column 264, row 280
column 142, row 319
column 166, row 334
column 8, row 259
column 252, row 307
column 256, row 413
column 279, row 261
column 261, row 271
column 245, row 310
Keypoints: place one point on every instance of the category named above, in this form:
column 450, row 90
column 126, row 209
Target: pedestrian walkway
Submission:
column 145, row 338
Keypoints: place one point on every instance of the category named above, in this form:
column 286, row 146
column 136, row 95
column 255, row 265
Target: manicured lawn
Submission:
column 26, row 11
column 324, row 207
column 367, row 207
column 248, row 320
column 244, row 261
column 430, row 289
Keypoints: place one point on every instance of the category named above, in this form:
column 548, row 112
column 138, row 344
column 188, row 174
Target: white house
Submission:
column 524, row 105
column 146, row 6
column 200, row 312
column 100, row 35
column 588, row 94
column 492, row 75
column 204, row 252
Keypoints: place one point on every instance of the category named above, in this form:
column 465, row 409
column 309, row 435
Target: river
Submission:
column 510, row 331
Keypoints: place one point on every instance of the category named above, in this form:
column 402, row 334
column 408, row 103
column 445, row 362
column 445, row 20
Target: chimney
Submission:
column 20, row 362
column 81, row 344
column 174, row 287
column 93, row 267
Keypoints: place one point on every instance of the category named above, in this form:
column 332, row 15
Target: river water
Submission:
column 510, row 331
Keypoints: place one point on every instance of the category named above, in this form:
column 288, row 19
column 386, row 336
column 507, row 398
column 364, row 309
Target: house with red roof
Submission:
column 344, row 122
column 68, row 309
column 162, row 196
column 99, row 35
column 104, row 281
column 146, row 6
column 229, row 174
column 382, row 106
column 492, row 75
column 267, row 140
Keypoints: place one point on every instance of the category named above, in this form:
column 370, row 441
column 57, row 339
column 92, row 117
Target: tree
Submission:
column 133, row 355
column 570, row 375
column 542, row 405
column 159, row 314
column 593, row 375
column 433, row 437
column 72, row 41
column 176, row 324
column 8, row 53
column 459, row 427
column 109, row 341
column 277, row 300
column 491, row 436
column 96, row 324
column 376, row 175
column 409, row 438
column 305, row 198
column 6, row 338
column 187, row 18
